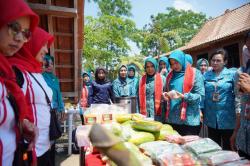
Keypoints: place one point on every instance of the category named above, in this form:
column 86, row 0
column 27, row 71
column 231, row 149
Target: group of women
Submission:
column 25, row 92
column 174, row 92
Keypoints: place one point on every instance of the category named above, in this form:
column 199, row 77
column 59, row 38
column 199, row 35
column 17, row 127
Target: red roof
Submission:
column 229, row 24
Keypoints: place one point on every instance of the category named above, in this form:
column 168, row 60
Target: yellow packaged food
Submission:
column 121, row 118
column 146, row 125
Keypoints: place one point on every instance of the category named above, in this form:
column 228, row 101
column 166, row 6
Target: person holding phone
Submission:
column 219, row 108
column 184, row 90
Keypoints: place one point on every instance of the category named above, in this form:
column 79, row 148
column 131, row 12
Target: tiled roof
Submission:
column 226, row 25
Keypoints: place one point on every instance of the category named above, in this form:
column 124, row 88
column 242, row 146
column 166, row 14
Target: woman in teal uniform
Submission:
column 122, row 86
column 185, row 88
column 151, row 86
column 219, row 108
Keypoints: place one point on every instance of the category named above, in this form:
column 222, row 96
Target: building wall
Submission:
column 64, row 20
column 210, row 48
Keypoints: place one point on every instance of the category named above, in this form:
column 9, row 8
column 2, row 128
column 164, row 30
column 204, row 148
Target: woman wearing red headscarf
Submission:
column 29, row 61
column 17, row 21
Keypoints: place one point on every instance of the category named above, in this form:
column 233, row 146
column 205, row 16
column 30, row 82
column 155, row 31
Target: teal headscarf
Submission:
column 131, row 67
column 154, row 62
column 176, row 82
column 123, row 80
column 165, row 60
column 53, row 83
column 86, row 73
column 200, row 61
column 189, row 59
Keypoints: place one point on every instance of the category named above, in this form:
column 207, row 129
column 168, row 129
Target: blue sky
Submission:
column 143, row 9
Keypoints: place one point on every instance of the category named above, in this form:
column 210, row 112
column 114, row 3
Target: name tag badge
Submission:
column 216, row 96
column 247, row 111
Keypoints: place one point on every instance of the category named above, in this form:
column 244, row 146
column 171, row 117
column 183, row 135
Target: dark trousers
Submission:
column 44, row 159
column 243, row 154
column 221, row 137
column 186, row 130
column 52, row 154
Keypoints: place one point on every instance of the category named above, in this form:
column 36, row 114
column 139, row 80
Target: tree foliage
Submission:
column 116, row 8
column 106, row 39
column 170, row 30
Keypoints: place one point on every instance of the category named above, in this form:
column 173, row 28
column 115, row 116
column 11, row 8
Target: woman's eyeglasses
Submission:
column 15, row 28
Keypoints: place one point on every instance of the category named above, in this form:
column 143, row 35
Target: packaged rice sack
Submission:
column 203, row 145
column 219, row 157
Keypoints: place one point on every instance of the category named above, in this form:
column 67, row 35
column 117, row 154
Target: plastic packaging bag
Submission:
column 140, row 137
column 203, row 145
column 219, row 157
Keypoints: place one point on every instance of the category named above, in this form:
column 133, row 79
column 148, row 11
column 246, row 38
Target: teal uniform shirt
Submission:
column 193, row 98
column 219, row 114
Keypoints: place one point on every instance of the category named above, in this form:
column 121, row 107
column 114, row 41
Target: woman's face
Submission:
column 86, row 78
column 101, row 75
column 13, row 35
column 162, row 65
column 217, row 62
column 40, row 55
column 123, row 72
column 131, row 73
column 48, row 66
column 150, row 69
column 175, row 65
column 203, row 67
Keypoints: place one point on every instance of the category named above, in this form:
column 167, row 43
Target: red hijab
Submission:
column 25, row 58
column 10, row 11
column 14, row 9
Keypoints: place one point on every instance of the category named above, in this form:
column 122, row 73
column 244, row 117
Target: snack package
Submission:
column 203, row 145
column 158, row 148
column 219, row 157
column 182, row 159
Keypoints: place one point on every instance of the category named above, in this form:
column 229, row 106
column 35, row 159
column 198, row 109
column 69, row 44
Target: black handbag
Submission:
column 55, row 130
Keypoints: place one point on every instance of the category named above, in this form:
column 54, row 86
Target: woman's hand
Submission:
column 244, row 82
column 165, row 96
column 63, row 116
column 172, row 95
column 30, row 132
column 179, row 95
